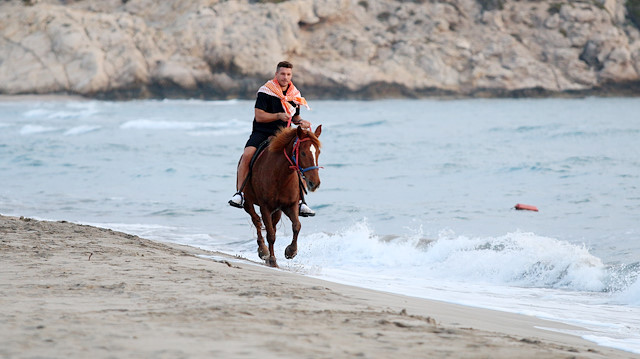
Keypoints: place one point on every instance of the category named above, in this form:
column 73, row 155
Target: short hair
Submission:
column 285, row 64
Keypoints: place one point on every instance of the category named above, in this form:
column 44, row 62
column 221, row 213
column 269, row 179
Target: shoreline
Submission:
column 374, row 92
column 71, row 290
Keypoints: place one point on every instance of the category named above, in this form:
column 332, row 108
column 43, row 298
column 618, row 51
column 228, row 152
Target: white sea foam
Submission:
column 631, row 295
column 38, row 112
column 630, row 345
column 79, row 130
column 152, row 124
column 35, row 129
column 146, row 230
column 71, row 110
column 520, row 259
column 67, row 114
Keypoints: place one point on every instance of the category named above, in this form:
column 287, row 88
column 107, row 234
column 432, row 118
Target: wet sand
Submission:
column 76, row 291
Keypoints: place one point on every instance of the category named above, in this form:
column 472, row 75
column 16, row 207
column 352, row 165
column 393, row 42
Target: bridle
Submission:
column 294, row 159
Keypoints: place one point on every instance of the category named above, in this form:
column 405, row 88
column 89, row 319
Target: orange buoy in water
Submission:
column 526, row 207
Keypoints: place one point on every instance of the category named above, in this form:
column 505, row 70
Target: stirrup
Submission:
column 233, row 203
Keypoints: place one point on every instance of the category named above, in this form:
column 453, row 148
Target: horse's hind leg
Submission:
column 263, row 251
column 292, row 249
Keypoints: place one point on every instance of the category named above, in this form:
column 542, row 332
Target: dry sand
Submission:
column 75, row 291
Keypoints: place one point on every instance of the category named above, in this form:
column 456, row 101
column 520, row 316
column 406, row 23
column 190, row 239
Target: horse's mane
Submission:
column 285, row 135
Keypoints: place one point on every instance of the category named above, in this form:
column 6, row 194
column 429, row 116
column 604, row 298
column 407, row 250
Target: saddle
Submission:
column 259, row 150
column 254, row 158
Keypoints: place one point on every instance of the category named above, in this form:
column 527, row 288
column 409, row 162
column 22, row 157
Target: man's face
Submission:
column 283, row 76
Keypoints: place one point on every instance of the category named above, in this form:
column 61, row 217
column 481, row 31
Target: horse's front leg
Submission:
column 271, row 236
column 263, row 251
column 292, row 249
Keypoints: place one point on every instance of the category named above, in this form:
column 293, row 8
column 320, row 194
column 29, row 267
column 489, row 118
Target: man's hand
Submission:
column 305, row 125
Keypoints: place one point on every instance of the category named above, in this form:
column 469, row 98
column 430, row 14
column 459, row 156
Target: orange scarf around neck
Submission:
column 272, row 88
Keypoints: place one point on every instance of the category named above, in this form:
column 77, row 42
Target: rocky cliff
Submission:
column 221, row 49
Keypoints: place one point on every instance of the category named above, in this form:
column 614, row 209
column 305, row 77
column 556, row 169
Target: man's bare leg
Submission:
column 243, row 170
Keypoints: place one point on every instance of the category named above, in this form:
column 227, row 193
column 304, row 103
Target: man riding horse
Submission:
column 277, row 105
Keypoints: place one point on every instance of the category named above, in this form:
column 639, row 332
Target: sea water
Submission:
column 416, row 198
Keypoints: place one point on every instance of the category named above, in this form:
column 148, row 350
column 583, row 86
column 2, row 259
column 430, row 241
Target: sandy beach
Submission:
column 76, row 291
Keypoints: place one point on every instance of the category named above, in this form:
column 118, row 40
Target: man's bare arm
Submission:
column 263, row 116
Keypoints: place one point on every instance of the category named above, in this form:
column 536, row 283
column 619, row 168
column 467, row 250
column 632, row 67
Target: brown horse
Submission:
column 275, row 184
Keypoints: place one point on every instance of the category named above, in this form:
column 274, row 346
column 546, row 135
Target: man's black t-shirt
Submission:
column 270, row 104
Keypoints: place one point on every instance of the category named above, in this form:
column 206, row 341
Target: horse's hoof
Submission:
column 263, row 253
column 271, row 262
column 290, row 252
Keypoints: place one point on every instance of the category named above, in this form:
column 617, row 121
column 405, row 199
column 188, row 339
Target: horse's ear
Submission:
column 300, row 132
column 318, row 131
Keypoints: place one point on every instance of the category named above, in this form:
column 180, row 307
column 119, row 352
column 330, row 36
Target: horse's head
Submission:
column 307, row 157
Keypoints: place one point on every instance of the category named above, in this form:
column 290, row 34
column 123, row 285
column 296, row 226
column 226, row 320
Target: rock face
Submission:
column 340, row 48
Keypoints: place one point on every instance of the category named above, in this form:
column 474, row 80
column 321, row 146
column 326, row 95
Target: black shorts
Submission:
column 256, row 139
